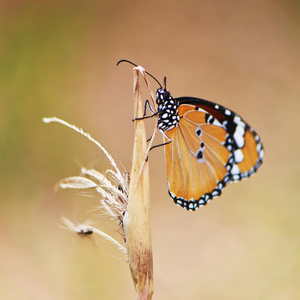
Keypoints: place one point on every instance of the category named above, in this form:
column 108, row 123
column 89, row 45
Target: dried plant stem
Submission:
column 137, row 224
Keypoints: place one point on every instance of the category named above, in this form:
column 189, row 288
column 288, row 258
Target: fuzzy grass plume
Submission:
column 112, row 187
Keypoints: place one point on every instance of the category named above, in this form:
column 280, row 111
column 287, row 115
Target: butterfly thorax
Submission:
column 167, row 110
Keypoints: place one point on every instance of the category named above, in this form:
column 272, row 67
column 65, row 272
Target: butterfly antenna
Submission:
column 165, row 82
column 130, row 62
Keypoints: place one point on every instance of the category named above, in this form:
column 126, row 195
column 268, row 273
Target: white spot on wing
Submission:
column 191, row 205
column 217, row 123
column 237, row 120
column 235, row 177
column 238, row 155
column 261, row 154
column 235, row 170
column 239, row 139
column 240, row 129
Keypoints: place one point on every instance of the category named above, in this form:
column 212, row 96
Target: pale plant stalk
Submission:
column 137, row 220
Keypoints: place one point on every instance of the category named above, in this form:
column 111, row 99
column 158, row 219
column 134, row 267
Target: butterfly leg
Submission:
column 145, row 111
column 159, row 145
column 150, row 107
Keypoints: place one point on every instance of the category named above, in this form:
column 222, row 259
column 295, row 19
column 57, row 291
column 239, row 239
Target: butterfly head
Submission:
column 162, row 95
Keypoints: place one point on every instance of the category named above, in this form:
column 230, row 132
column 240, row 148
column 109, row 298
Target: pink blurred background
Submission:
column 58, row 58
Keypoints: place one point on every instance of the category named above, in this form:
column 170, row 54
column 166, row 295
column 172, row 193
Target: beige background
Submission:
column 58, row 58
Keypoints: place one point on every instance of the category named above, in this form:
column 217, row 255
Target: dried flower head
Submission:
column 112, row 186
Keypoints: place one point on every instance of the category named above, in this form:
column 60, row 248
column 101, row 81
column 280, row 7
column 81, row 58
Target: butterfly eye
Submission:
column 159, row 96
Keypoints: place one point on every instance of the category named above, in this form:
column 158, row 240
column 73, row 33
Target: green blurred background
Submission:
column 58, row 58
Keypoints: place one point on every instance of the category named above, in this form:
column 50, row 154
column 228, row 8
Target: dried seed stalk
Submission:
column 137, row 225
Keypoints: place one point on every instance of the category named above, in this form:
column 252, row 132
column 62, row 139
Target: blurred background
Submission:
column 58, row 58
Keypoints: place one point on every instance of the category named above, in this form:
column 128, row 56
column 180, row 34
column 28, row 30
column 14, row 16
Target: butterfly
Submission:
column 207, row 146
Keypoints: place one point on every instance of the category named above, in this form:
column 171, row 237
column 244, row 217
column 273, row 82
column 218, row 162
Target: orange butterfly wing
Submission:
column 246, row 145
column 211, row 146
